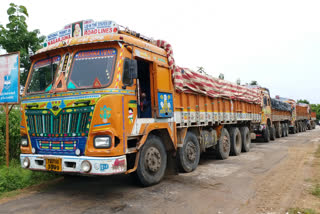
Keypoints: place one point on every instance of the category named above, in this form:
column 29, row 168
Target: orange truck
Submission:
column 301, row 116
column 313, row 118
column 101, row 99
column 275, row 117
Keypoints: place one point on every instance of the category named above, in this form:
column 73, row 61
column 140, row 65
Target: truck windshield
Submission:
column 42, row 75
column 92, row 68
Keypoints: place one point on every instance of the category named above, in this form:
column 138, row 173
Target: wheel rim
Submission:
column 152, row 159
column 191, row 151
column 225, row 144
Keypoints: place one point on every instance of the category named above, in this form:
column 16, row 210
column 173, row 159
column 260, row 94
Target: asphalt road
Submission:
column 268, row 179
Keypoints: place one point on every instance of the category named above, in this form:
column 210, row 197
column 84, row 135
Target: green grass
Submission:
column 316, row 191
column 15, row 177
column 300, row 211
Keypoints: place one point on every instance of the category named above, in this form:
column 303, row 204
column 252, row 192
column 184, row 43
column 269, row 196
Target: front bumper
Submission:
column 72, row 164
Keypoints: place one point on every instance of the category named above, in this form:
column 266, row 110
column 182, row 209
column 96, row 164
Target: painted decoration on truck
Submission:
column 59, row 145
column 165, row 104
column 81, row 28
column 105, row 113
column 101, row 27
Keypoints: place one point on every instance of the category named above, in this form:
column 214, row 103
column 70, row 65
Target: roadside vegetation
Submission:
column 301, row 211
column 15, row 36
column 15, row 177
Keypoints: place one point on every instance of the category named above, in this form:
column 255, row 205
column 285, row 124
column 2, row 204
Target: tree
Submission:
column 303, row 101
column 254, row 82
column 201, row 69
column 16, row 37
column 316, row 108
column 238, row 81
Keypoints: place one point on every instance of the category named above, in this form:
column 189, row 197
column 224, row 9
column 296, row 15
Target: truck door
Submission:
column 144, row 91
column 163, row 91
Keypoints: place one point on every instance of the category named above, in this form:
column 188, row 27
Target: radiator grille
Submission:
column 69, row 122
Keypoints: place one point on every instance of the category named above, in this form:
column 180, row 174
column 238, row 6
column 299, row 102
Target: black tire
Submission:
column 266, row 134
column 223, row 146
column 278, row 131
column 272, row 133
column 283, row 133
column 236, row 141
column 285, row 130
column 294, row 130
column 152, row 162
column 304, row 126
column 245, row 138
column 300, row 127
column 189, row 153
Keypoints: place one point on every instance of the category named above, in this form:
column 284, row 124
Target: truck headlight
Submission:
column 24, row 141
column 102, row 142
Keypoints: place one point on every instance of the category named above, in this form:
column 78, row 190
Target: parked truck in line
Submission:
column 276, row 117
column 101, row 99
column 313, row 119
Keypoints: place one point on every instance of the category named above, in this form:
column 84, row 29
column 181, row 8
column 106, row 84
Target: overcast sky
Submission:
column 274, row 42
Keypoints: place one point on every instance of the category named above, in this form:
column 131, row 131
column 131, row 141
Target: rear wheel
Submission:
column 278, row 131
column 272, row 133
column 287, row 129
column 266, row 134
column 283, row 133
column 245, row 138
column 189, row 153
column 235, row 140
column 152, row 162
column 223, row 147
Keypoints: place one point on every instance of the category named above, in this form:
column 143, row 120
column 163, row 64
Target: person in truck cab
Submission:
column 145, row 107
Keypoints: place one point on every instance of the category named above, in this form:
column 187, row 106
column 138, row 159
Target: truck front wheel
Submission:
column 294, row 130
column 266, row 134
column 189, row 153
column 152, row 161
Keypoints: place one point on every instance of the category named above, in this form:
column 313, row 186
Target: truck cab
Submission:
column 266, row 129
column 94, row 92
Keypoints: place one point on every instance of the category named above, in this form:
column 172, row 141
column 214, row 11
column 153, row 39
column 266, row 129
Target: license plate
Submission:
column 53, row 164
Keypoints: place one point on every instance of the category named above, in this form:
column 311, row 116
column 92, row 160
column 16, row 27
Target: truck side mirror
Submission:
column 130, row 71
column 133, row 67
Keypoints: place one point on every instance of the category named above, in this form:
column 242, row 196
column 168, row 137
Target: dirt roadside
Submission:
column 269, row 179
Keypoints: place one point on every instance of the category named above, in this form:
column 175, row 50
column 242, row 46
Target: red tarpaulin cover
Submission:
column 186, row 80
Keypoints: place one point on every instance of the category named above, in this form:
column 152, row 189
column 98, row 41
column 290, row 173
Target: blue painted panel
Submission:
column 80, row 143
column 165, row 103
